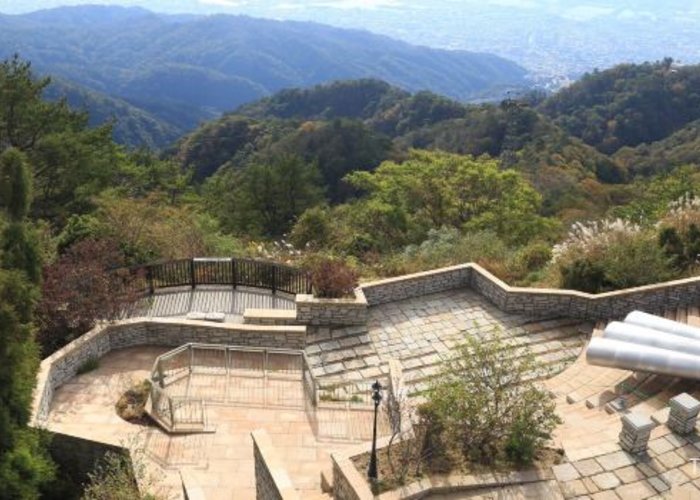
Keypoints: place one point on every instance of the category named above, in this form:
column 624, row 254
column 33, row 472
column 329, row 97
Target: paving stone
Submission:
column 573, row 489
column 658, row 484
column 660, row 445
column 630, row 474
column 691, row 469
column 590, row 485
column 671, row 460
column 588, row 467
column 676, row 440
column 638, row 490
column 565, row 472
column 616, row 460
column 688, row 452
column 687, row 491
column 674, row 477
column 605, row 495
column 606, row 480
column 648, row 469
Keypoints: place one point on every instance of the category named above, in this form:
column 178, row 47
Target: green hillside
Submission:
column 213, row 64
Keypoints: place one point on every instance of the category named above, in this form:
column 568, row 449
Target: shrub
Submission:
column 583, row 275
column 114, row 479
column 313, row 229
column 119, row 476
column 487, row 404
column 611, row 255
column 534, row 256
column 332, row 279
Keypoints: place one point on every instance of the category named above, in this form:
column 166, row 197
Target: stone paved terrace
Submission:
column 178, row 302
column 420, row 332
column 424, row 331
column 220, row 463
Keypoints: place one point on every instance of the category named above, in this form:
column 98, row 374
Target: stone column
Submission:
column 636, row 430
column 684, row 413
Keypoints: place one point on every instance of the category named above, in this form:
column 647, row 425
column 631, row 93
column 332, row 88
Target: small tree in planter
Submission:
column 488, row 405
column 332, row 279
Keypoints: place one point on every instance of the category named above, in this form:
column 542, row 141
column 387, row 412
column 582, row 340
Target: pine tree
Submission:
column 24, row 463
column 19, row 247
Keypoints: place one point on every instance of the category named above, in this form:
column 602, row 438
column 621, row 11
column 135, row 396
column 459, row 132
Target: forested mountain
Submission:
column 355, row 125
column 170, row 66
column 131, row 124
column 628, row 105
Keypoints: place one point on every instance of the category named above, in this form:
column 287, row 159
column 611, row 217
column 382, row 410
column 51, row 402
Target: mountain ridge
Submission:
column 216, row 63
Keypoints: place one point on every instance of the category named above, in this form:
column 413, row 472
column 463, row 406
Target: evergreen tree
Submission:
column 19, row 247
column 24, row 463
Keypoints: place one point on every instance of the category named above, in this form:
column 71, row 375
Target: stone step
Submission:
column 571, row 378
column 553, row 362
column 599, row 379
column 647, row 389
column 546, row 336
column 619, row 384
column 659, row 401
column 320, row 335
column 551, row 324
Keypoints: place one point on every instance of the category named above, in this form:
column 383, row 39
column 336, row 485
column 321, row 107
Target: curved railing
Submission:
column 187, row 379
column 233, row 272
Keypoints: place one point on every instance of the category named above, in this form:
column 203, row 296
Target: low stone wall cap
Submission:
column 685, row 402
column 638, row 422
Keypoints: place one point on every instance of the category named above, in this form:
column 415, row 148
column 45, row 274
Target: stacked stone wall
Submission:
column 416, row 285
column 536, row 302
column 271, row 479
column 332, row 312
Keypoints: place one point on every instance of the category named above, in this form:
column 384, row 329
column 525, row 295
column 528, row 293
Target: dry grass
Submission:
column 132, row 404
column 451, row 464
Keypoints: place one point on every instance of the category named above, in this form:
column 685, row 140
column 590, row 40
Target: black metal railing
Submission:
column 233, row 272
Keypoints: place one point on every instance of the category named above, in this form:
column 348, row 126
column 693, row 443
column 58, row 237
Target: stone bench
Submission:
column 215, row 317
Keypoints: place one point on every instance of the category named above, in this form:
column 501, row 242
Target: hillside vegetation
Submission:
column 628, row 105
column 182, row 70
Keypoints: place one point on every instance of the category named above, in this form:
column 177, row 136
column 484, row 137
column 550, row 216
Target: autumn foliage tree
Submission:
column 80, row 288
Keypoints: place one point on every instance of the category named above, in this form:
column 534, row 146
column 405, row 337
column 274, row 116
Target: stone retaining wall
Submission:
column 537, row 302
column 271, row 479
column 76, row 457
column 64, row 363
column 604, row 306
column 415, row 285
column 348, row 484
column 332, row 312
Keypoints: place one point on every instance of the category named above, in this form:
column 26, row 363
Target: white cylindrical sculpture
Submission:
column 635, row 334
column 662, row 324
column 638, row 357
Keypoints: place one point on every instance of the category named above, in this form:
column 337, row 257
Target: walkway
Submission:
column 178, row 302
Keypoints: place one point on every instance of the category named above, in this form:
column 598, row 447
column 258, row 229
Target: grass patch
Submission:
column 89, row 365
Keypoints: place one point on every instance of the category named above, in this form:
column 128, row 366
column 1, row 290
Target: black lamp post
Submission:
column 377, row 398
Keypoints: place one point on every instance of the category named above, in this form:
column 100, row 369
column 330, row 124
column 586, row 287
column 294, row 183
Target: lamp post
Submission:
column 377, row 398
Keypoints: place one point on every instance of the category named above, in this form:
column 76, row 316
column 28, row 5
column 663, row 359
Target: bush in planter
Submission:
column 485, row 405
column 332, row 279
